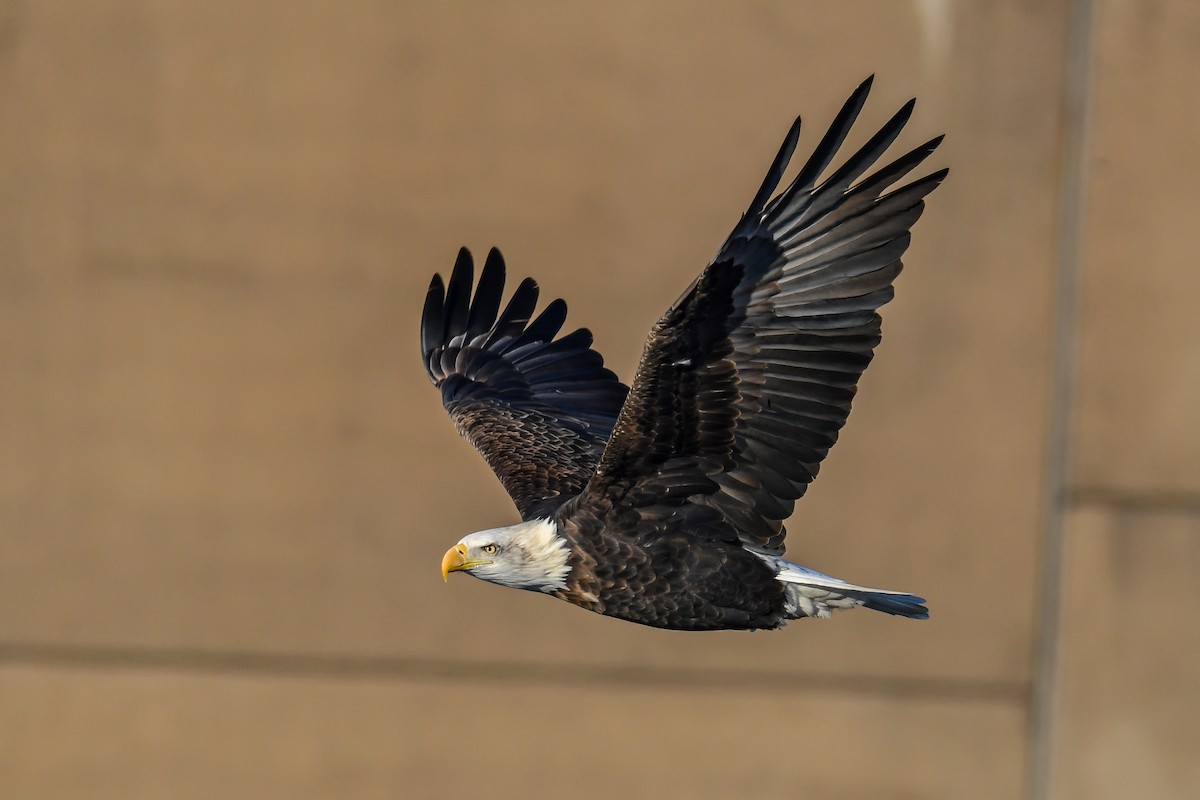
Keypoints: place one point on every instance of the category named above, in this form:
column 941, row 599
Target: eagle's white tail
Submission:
column 812, row 594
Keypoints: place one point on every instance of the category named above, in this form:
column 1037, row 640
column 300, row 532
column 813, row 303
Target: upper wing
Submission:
column 538, row 409
column 747, row 379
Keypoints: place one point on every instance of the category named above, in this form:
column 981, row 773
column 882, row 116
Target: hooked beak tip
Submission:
column 454, row 560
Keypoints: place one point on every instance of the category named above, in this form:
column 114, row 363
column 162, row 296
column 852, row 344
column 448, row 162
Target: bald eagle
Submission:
column 663, row 504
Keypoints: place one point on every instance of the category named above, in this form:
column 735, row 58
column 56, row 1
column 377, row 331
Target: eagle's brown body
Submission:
column 667, row 580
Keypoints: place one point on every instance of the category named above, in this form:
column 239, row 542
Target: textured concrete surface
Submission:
column 1131, row 655
column 224, row 380
column 151, row 735
column 1140, row 364
column 225, row 484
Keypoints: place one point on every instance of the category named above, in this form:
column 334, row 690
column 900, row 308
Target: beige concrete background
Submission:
column 225, row 483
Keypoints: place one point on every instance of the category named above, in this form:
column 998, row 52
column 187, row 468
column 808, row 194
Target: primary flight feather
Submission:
column 664, row 503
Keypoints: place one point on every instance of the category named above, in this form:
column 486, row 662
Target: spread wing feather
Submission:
column 745, row 382
column 538, row 408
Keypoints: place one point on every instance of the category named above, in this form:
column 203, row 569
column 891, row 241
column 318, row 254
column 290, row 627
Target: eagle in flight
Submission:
column 664, row 503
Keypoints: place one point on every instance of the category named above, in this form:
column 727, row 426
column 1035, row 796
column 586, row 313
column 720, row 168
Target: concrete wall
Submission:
column 225, row 483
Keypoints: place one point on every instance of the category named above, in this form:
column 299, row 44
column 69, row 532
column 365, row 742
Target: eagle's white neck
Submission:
column 547, row 550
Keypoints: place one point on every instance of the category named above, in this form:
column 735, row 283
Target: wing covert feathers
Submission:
column 745, row 382
column 538, row 408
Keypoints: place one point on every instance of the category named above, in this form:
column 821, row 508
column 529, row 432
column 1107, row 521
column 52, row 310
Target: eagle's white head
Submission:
column 528, row 555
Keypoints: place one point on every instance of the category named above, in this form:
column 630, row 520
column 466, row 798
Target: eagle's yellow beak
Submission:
column 454, row 560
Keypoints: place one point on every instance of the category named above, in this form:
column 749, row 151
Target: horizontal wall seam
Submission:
column 1136, row 501
column 558, row 675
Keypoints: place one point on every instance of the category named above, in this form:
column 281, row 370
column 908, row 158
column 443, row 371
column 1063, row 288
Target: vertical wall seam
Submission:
column 1064, row 362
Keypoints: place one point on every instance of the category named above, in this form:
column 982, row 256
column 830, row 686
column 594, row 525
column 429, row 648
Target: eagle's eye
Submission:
column 490, row 549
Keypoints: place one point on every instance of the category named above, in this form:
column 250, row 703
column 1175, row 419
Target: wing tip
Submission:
column 432, row 319
column 494, row 256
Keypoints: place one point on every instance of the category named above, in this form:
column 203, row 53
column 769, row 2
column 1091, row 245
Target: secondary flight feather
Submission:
column 664, row 503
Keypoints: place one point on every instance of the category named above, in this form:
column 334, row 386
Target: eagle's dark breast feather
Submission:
column 662, row 577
